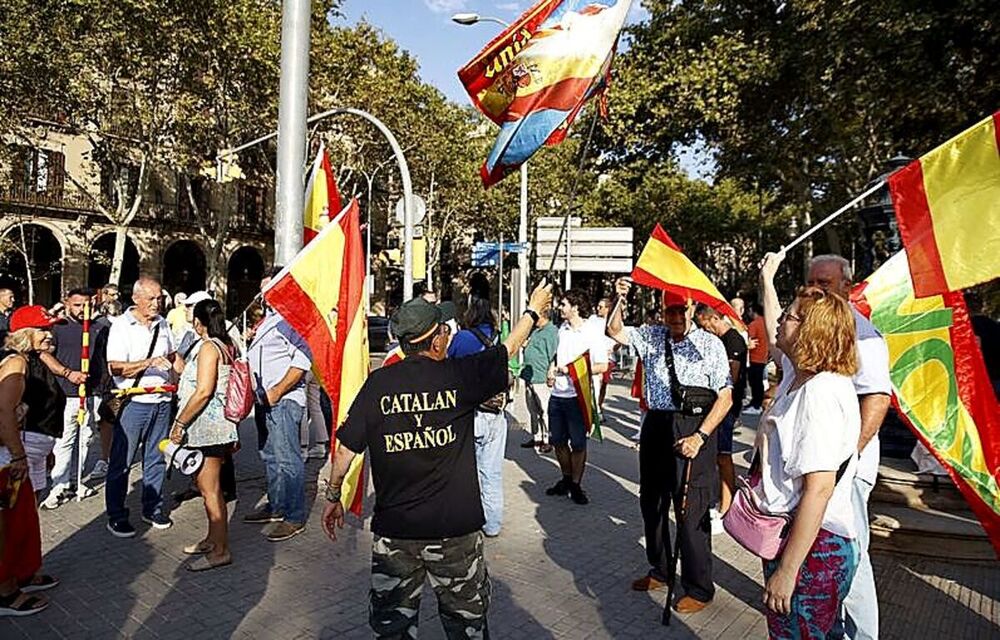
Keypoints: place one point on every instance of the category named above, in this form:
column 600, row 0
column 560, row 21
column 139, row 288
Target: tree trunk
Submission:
column 23, row 249
column 118, row 257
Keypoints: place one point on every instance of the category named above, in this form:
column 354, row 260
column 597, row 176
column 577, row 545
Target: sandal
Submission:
column 204, row 564
column 199, row 548
column 21, row 604
column 39, row 582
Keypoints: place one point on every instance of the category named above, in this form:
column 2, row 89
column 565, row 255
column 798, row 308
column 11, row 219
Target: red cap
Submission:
column 32, row 317
column 671, row 299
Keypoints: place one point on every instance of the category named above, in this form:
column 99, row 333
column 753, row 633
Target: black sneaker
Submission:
column 158, row 521
column 121, row 529
column 578, row 495
column 560, row 488
column 528, row 444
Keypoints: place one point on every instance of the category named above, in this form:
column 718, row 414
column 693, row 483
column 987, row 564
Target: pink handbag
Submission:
column 762, row 534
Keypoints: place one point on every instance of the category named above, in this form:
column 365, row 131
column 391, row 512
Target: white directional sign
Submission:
column 597, row 249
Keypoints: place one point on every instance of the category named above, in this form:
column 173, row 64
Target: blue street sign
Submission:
column 487, row 254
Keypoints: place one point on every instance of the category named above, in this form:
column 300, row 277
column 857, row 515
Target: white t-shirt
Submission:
column 814, row 428
column 872, row 377
column 573, row 343
column 128, row 341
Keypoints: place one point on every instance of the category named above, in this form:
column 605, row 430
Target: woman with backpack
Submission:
column 201, row 424
column 480, row 333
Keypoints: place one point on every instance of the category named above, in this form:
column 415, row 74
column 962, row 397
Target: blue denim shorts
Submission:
column 566, row 423
column 725, row 432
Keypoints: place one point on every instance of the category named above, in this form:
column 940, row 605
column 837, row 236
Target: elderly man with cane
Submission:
column 689, row 391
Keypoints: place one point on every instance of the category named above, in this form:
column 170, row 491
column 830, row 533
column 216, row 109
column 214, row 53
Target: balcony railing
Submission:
column 169, row 215
column 46, row 199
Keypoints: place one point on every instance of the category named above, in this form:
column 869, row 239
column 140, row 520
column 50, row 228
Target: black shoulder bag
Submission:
column 689, row 400
column 118, row 403
column 496, row 404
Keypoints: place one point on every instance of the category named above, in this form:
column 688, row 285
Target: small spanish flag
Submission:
column 583, row 382
column 662, row 265
column 322, row 197
column 948, row 207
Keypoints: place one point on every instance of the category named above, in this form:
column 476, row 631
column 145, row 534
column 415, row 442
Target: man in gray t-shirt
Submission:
column 279, row 359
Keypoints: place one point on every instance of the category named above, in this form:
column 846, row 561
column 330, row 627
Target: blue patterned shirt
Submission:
column 700, row 360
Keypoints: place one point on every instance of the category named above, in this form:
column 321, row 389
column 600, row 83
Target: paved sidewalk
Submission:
column 559, row 570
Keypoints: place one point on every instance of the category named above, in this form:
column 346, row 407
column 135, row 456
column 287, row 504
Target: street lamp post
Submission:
column 404, row 172
column 523, row 263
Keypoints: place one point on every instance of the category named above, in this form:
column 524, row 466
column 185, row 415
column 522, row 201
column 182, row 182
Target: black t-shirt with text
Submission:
column 416, row 419
column 736, row 351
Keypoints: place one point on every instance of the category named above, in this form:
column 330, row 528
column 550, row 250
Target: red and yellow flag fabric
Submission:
column 583, row 381
column 662, row 265
column 322, row 197
column 948, row 209
column 533, row 78
column 321, row 295
column 394, row 356
column 940, row 384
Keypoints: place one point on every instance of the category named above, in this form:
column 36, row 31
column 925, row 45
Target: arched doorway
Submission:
column 246, row 268
column 99, row 266
column 183, row 267
column 31, row 264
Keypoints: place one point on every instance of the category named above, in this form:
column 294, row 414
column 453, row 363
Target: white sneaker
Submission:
column 100, row 470
column 752, row 411
column 716, row 518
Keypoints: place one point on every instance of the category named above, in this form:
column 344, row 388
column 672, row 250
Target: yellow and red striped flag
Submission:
column 583, row 381
column 662, row 265
column 948, row 207
column 322, row 197
column 941, row 387
column 321, row 295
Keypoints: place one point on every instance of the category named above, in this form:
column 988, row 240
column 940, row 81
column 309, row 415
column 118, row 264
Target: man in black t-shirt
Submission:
column 416, row 420
column 736, row 350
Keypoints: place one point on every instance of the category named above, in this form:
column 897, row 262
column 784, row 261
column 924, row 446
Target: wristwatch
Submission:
column 704, row 436
column 533, row 314
column 333, row 493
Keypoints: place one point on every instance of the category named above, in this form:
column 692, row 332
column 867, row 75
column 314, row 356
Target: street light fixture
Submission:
column 467, row 19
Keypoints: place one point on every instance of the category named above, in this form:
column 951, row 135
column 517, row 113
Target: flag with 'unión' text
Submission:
column 533, row 78
column 941, row 387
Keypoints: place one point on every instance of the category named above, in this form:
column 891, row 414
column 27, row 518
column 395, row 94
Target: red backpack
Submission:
column 239, row 389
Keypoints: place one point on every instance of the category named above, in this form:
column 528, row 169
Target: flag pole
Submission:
column 830, row 218
column 81, row 415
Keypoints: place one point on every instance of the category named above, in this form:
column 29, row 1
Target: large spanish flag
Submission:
column 583, row 381
column 322, row 197
column 662, row 265
column 533, row 78
column 948, row 208
column 940, row 383
column 321, row 296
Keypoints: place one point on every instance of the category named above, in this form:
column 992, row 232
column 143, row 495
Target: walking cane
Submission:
column 675, row 552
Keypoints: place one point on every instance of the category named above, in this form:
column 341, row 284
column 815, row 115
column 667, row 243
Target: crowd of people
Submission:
column 434, row 415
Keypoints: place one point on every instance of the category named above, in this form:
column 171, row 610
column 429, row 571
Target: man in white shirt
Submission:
column 140, row 353
column 874, row 389
column 567, row 432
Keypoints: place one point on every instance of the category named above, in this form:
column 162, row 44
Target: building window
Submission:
column 38, row 171
column 252, row 205
column 124, row 176
column 199, row 191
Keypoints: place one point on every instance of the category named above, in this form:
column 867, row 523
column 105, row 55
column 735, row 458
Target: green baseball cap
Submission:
column 415, row 320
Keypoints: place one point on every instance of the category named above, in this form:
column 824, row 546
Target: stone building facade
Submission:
column 53, row 236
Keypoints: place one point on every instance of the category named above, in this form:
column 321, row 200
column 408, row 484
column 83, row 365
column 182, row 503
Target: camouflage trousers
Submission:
column 457, row 572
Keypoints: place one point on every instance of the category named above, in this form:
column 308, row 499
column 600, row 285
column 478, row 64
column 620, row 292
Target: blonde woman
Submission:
column 807, row 444
column 29, row 396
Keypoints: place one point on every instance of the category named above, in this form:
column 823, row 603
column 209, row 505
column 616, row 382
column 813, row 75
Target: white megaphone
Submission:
column 185, row 460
